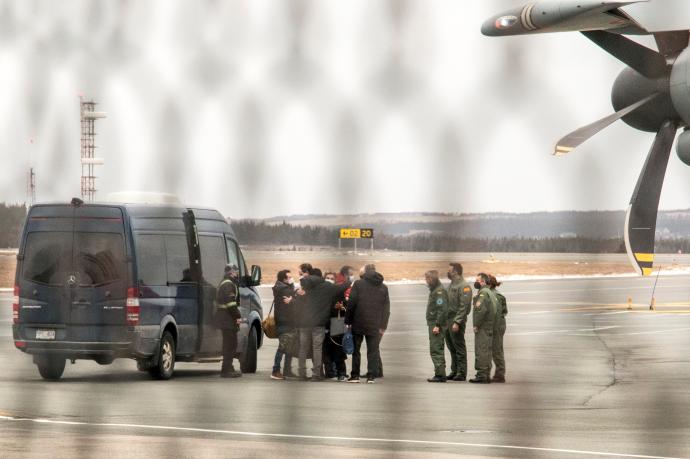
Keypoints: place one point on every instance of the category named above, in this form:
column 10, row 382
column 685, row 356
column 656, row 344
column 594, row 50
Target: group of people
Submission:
column 446, row 316
column 304, row 318
column 307, row 317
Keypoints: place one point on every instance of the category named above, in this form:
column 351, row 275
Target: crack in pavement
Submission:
column 612, row 360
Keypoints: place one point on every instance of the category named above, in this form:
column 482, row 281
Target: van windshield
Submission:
column 94, row 258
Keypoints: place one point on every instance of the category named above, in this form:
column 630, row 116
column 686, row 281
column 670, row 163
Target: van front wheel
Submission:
column 50, row 367
column 166, row 358
column 248, row 358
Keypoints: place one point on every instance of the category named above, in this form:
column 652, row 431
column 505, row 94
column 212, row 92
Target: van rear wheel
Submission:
column 166, row 358
column 248, row 359
column 50, row 367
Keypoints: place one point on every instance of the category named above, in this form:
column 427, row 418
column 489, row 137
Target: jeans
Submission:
column 373, row 355
column 287, row 368
column 285, row 341
column 311, row 338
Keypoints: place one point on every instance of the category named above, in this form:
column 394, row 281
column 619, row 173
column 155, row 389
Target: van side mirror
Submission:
column 256, row 275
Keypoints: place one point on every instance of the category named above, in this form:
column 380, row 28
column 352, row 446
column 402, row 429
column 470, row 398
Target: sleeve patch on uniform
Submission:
column 466, row 289
column 439, row 301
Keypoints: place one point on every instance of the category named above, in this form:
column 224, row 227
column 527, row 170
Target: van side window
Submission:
column 235, row 256
column 213, row 259
column 150, row 259
column 178, row 259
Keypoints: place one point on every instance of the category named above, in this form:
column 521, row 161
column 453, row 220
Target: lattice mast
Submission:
column 31, row 187
column 89, row 115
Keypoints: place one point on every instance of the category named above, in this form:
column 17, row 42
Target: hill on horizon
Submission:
column 588, row 224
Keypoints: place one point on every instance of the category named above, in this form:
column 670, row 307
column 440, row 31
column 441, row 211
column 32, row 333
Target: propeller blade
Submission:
column 579, row 136
column 640, row 220
column 643, row 60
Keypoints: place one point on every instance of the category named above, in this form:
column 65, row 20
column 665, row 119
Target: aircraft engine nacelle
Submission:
column 631, row 87
column 683, row 147
column 680, row 85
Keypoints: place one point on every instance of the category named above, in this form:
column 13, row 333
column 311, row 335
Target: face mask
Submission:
column 450, row 275
column 331, row 281
column 352, row 278
column 477, row 285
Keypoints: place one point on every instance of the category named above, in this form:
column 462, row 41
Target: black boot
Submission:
column 230, row 373
column 437, row 378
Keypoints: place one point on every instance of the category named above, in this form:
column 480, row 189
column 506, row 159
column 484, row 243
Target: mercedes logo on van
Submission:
column 72, row 280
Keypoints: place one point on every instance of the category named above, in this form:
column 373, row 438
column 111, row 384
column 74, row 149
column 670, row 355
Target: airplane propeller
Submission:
column 652, row 94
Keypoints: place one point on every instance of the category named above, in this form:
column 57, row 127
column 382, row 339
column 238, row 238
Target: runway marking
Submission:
column 529, row 313
column 329, row 438
column 624, row 307
column 548, row 332
column 654, row 332
column 594, row 289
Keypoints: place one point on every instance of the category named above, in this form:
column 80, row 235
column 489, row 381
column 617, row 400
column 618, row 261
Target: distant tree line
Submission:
column 11, row 221
column 252, row 232
column 257, row 232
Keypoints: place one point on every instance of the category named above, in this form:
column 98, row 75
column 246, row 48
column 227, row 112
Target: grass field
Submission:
column 397, row 266
column 415, row 267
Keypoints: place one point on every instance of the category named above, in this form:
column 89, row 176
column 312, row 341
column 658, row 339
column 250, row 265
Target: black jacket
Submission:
column 225, row 319
column 369, row 306
column 320, row 300
column 284, row 313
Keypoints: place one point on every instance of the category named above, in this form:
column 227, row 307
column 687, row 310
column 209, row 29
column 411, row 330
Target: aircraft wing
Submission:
column 627, row 17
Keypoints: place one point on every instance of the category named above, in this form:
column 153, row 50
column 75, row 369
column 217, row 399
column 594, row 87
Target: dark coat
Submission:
column 320, row 300
column 225, row 319
column 369, row 306
column 284, row 313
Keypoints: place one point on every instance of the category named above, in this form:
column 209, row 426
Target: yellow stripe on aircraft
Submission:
column 645, row 257
column 562, row 150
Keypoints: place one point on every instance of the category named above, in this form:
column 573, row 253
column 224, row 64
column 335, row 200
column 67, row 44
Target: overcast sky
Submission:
column 263, row 108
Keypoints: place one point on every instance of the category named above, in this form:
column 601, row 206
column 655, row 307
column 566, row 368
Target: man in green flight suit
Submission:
column 459, row 306
column 436, row 320
column 483, row 317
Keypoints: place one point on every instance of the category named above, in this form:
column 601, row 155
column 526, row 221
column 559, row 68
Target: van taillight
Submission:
column 133, row 306
column 15, row 305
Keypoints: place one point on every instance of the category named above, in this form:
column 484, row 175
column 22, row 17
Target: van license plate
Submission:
column 45, row 334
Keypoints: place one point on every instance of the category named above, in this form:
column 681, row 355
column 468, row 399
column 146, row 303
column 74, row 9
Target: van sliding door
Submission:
column 196, row 274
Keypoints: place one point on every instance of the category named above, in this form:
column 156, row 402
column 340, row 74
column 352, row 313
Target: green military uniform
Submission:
column 459, row 306
column 225, row 318
column 499, row 331
column 483, row 316
column 437, row 316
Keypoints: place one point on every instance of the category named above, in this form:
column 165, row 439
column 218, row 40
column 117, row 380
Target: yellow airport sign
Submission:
column 356, row 233
column 350, row 233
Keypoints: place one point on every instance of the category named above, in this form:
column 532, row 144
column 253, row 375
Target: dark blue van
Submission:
column 104, row 281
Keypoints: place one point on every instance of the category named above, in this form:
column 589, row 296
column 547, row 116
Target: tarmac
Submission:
column 586, row 377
